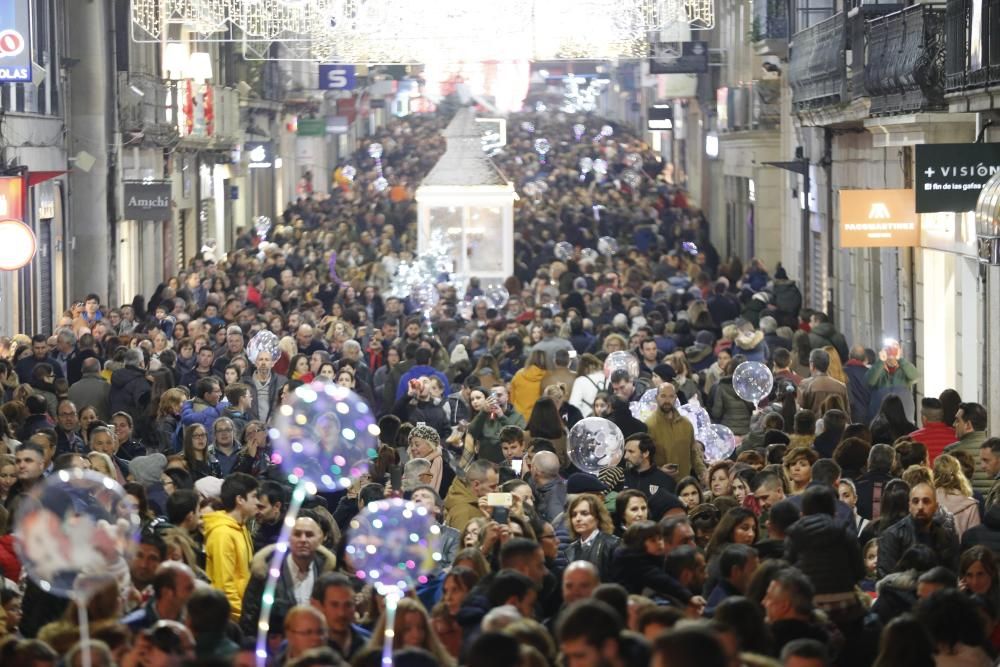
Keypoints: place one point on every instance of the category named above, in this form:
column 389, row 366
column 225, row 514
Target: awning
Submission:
column 36, row 177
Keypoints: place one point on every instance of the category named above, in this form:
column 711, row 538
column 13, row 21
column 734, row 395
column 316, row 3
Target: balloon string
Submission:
column 274, row 573
column 391, row 600
column 81, row 615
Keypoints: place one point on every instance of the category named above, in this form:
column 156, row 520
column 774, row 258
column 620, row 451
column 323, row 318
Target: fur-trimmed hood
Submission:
column 262, row 560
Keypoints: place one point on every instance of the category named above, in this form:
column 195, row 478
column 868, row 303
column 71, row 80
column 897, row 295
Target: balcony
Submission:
column 972, row 60
column 904, row 64
column 770, row 28
column 143, row 103
column 818, row 65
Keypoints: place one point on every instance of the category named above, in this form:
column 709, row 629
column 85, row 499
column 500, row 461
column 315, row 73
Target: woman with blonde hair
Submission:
column 102, row 463
column 836, row 370
column 568, row 412
column 168, row 415
column 588, row 383
column 954, row 493
column 614, row 343
column 413, row 628
column 488, row 371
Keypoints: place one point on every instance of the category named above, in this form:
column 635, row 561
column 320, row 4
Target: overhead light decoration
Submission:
column 394, row 31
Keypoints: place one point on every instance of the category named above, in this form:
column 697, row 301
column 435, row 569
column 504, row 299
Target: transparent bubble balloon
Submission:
column 375, row 150
column 564, row 250
column 633, row 160
column 631, row 178
column 586, row 164
column 76, row 531
column 607, row 131
column 381, row 184
column 698, row 416
column 752, row 381
column 392, row 544
column 499, row 295
column 644, row 408
column 528, row 127
column 719, row 443
column 263, row 341
column 607, row 246
column 589, row 255
column 621, row 360
column 262, row 225
column 600, row 167
column 425, row 296
column 578, row 130
column 349, row 172
column 325, row 435
column 689, row 247
column 595, row 443
column 482, row 301
column 464, row 309
column 542, row 145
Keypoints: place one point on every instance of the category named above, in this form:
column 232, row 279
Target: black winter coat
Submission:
column 987, row 533
column 130, row 392
column 637, row 570
column 601, row 552
column 903, row 534
column 827, row 552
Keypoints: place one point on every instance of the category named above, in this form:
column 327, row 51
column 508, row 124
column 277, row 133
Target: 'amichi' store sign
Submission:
column 147, row 201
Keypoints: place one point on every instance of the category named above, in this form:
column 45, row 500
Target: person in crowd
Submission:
column 333, row 596
column 593, row 533
column 970, row 431
column 265, row 386
column 954, row 493
column 814, row 390
column 228, row 546
column 173, row 585
column 923, row 524
column 674, row 436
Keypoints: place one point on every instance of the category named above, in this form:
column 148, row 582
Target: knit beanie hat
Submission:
column 147, row 469
column 425, row 432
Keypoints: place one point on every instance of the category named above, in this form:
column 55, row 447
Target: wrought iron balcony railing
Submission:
column 972, row 30
column 818, row 65
column 905, row 59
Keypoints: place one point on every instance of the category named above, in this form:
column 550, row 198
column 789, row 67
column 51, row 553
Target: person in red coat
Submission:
column 934, row 433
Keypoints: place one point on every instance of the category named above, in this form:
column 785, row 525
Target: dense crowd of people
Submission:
column 850, row 526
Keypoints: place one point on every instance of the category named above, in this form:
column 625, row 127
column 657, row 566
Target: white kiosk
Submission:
column 466, row 198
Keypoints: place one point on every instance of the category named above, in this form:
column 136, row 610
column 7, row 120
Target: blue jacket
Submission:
column 204, row 415
column 419, row 371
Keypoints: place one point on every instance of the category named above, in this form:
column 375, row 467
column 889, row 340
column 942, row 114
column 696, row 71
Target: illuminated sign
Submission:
column 878, row 219
column 260, row 154
column 15, row 41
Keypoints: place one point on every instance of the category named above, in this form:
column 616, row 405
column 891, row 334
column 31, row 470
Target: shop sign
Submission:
column 336, row 77
column 260, row 154
column 878, row 219
column 678, row 58
column 15, row 41
column 12, row 197
column 147, row 200
column 660, row 117
column 949, row 177
column 337, row 124
column 312, row 127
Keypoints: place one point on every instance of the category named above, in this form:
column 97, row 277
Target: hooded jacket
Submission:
column 228, row 548
column 525, row 389
column 726, row 407
column 825, row 551
column 824, row 334
column 284, row 593
column 130, row 392
column 751, row 345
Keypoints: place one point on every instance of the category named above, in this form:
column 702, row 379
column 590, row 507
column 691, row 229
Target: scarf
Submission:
column 437, row 468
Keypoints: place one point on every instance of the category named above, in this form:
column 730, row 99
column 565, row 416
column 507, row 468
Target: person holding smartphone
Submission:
column 494, row 414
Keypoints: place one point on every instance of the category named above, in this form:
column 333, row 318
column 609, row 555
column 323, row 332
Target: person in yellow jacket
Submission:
column 526, row 385
column 228, row 545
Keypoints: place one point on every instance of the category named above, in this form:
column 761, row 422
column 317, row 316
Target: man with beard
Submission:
column 642, row 475
column 923, row 526
column 674, row 436
column 270, row 512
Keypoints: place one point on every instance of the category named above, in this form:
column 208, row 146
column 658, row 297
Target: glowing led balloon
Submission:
column 752, row 381
column 326, row 435
column 263, row 341
column 586, row 164
column 542, row 146
column 600, row 167
column 607, row 246
column 589, row 255
column 689, row 247
column 381, row 184
column 76, row 530
column 595, row 443
column 607, row 131
column 349, row 172
column 719, row 443
column 644, row 408
column 578, row 130
column 499, row 295
column 632, row 178
column 392, row 544
column 621, row 360
column 564, row 250
column 375, row 150
column 425, row 296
